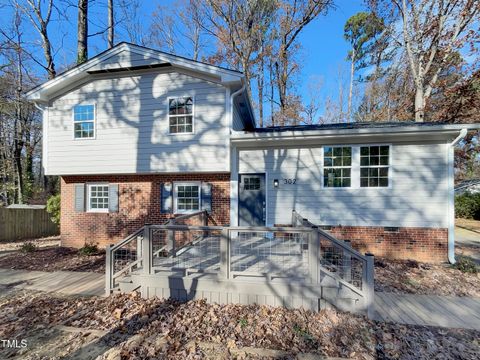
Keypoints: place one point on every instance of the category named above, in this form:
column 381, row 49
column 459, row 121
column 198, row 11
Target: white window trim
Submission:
column 355, row 168
column 389, row 166
column 352, row 147
column 175, row 199
column 89, row 187
column 168, row 115
column 94, row 121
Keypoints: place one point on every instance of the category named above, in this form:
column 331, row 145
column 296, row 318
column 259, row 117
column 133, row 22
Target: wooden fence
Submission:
column 19, row 224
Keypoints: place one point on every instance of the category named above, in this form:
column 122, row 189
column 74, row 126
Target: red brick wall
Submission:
column 421, row 244
column 139, row 203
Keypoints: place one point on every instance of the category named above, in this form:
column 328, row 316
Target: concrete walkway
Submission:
column 430, row 310
column 65, row 282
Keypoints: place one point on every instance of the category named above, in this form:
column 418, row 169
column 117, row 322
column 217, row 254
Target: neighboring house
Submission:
column 471, row 186
column 139, row 136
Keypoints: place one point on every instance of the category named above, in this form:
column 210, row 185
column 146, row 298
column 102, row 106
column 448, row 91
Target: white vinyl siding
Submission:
column 132, row 130
column 416, row 197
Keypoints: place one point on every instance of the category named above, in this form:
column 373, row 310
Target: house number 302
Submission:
column 289, row 181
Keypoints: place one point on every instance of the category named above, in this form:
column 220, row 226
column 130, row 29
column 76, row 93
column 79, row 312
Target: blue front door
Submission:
column 251, row 202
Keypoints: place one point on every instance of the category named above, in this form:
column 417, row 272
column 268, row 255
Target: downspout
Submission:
column 234, row 165
column 44, row 135
column 451, row 196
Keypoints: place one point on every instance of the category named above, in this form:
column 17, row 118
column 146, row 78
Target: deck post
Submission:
column 225, row 254
column 171, row 242
column 347, row 263
column 108, row 270
column 314, row 255
column 368, row 282
column 147, row 250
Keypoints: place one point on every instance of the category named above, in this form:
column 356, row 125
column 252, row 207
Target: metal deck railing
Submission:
column 187, row 246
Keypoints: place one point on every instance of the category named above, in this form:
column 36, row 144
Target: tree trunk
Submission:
column 111, row 29
column 260, row 85
column 419, row 104
column 350, row 90
column 47, row 50
column 82, row 31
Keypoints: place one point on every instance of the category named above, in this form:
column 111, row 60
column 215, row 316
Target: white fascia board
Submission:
column 70, row 76
column 42, row 92
column 440, row 130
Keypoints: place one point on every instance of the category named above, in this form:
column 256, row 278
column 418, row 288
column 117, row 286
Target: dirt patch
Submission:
column 128, row 327
column 427, row 279
column 54, row 259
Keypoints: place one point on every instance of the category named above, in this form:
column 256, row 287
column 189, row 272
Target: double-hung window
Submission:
column 84, row 121
column 180, row 115
column 374, row 166
column 97, row 197
column 187, row 197
column 337, row 166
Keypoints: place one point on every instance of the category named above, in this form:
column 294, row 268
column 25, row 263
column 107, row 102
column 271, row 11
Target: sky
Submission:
column 322, row 56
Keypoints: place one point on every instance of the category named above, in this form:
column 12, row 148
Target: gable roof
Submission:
column 127, row 57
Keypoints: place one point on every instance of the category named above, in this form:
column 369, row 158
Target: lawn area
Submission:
column 469, row 224
column 128, row 327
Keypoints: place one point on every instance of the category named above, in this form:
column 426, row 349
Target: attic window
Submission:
column 180, row 115
column 84, row 121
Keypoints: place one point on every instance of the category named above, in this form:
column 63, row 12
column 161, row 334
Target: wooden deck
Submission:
column 65, row 282
column 429, row 310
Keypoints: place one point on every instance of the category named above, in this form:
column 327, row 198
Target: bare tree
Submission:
column 294, row 16
column 40, row 20
column 431, row 31
column 82, row 32
column 240, row 27
column 129, row 22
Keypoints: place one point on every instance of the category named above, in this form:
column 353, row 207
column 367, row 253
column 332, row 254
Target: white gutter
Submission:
column 451, row 196
column 232, row 96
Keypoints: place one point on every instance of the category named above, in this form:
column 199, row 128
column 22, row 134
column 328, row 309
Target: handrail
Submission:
column 232, row 228
column 340, row 243
column 187, row 216
column 127, row 239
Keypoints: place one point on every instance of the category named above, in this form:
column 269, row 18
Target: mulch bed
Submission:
column 136, row 328
column 425, row 279
column 54, row 259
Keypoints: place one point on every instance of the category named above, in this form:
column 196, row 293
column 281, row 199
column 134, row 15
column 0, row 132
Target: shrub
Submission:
column 467, row 206
column 466, row 265
column 53, row 208
column 28, row 247
column 88, row 249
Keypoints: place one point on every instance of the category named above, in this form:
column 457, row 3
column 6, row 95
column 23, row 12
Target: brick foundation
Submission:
column 139, row 203
column 421, row 244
